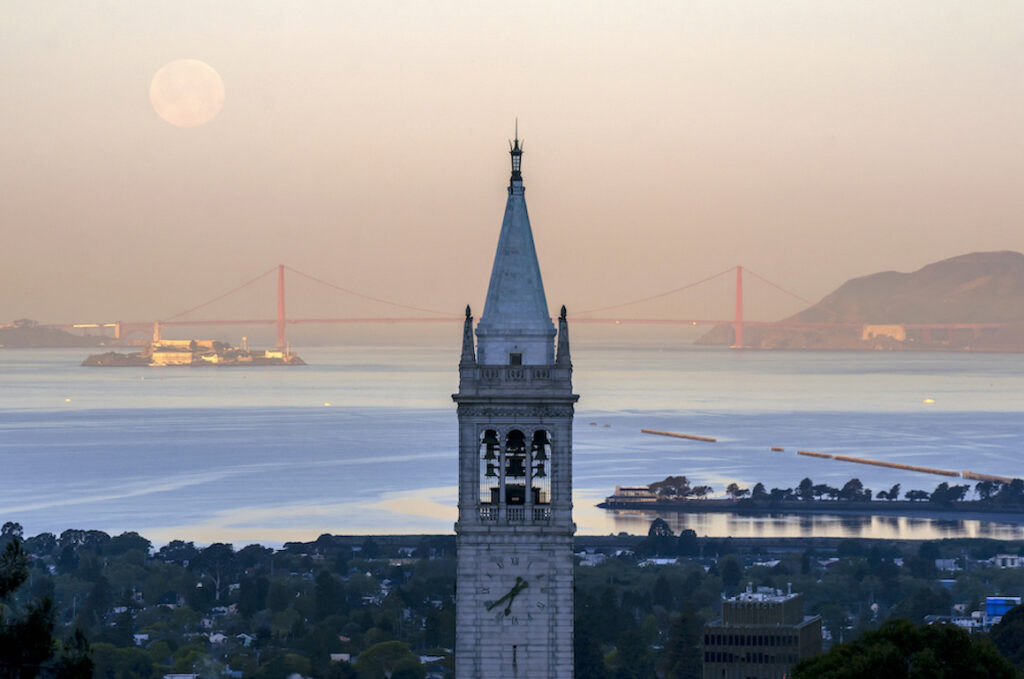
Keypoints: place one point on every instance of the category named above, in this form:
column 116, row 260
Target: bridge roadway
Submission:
column 124, row 328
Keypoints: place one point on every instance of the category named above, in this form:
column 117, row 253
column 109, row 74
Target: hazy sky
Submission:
column 366, row 143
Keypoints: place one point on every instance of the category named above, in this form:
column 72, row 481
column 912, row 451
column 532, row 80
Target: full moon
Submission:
column 187, row 93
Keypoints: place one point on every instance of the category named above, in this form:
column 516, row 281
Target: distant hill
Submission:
column 981, row 287
column 25, row 333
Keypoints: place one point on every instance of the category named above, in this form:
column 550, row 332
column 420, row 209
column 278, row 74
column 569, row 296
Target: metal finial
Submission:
column 563, row 313
column 516, row 151
column 469, row 314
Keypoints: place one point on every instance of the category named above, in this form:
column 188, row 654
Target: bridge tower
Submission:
column 514, row 596
column 281, row 339
column 738, row 322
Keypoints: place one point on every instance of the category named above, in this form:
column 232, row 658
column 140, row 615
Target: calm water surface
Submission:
column 363, row 439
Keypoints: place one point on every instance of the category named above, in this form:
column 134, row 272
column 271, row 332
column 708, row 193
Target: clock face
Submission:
column 515, row 589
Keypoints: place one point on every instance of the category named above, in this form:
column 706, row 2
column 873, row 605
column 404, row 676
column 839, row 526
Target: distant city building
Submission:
column 996, row 607
column 634, row 494
column 760, row 635
column 1007, row 561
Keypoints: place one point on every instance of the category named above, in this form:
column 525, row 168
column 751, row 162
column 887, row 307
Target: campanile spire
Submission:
column 514, row 595
column 515, row 326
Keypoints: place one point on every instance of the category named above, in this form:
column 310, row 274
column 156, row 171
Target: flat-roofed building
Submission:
column 760, row 635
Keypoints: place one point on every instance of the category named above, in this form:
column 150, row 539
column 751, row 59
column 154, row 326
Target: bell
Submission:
column 515, row 467
column 491, row 437
column 540, row 439
column 539, row 472
column 490, row 471
column 515, row 442
column 540, row 455
column 489, row 455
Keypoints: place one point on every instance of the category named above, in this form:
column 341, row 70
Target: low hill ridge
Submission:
column 973, row 288
column 979, row 287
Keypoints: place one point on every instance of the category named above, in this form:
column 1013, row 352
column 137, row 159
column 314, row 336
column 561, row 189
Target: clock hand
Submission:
column 514, row 592
column 509, row 596
column 495, row 603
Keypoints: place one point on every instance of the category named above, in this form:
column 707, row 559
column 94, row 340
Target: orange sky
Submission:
column 365, row 143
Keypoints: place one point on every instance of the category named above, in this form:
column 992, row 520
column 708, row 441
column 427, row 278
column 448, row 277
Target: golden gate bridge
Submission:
column 122, row 329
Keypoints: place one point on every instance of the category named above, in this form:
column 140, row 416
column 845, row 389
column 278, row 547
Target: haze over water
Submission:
column 247, row 454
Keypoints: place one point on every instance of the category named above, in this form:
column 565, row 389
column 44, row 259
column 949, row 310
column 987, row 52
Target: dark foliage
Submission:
column 900, row 649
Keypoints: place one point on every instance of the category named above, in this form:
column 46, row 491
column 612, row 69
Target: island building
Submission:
column 514, row 581
column 760, row 635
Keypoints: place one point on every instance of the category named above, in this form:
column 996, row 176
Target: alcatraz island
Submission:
column 195, row 353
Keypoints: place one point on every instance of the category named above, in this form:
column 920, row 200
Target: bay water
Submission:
column 363, row 440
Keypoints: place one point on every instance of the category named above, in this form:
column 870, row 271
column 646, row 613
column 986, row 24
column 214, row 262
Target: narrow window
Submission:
column 515, row 359
column 515, row 468
column 540, row 467
column 490, row 482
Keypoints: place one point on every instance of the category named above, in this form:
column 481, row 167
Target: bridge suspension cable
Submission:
column 369, row 297
column 660, row 294
column 813, row 305
column 777, row 286
column 220, row 297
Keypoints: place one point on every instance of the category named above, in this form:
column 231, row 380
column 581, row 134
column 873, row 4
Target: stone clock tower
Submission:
column 514, row 597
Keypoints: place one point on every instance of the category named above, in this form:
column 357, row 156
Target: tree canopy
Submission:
column 27, row 646
column 899, row 649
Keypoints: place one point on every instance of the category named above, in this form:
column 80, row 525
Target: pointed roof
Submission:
column 516, row 305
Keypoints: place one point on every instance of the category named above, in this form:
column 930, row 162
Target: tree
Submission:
column 894, row 493
column 735, row 492
column 659, row 538
column 916, row 495
column 702, row 491
column 634, row 657
column 216, row 562
column 660, row 529
column 985, row 489
column 252, row 595
column 93, row 540
column 671, row 487
column 852, row 490
column 328, row 596
column 1008, row 635
column 177, row 551
column 759, row 493
column 687, row 544
column 899, row 649
column 683, row 650
column 385, row 657
column 730, row 569
column 822, row 489
column 278, row 596
column 125, row 542
column 925, row 601
column 27, row 646
column 10, row 531
column 44, row 544
column 588, row 657
column 805, row 490
column 1011, row 493
column 369, row 549
column 661, row 594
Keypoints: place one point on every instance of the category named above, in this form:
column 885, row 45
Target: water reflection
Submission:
column 807, row 525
